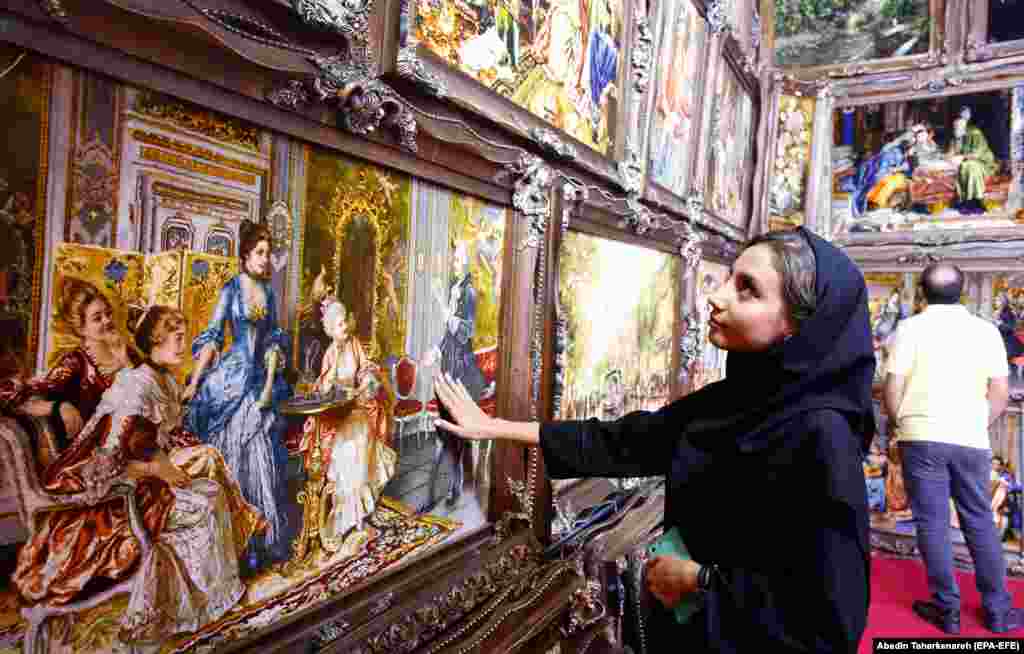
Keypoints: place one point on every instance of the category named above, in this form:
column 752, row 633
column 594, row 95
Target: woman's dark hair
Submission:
column 251, row 234
column 75, row 296
column 154, row 327
column 795, row 262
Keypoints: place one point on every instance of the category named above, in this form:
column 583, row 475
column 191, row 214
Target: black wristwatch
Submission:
column 704, row 577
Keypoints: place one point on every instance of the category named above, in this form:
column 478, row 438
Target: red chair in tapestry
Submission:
column 407, row 409
column 20, row 463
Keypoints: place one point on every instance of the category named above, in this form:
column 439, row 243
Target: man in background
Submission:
column 941, row 400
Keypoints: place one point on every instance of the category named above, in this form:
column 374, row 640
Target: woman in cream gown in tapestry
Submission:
column 191, row 505
column 353, row 442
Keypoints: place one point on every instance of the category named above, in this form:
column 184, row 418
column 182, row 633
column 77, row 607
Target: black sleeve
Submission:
column 814, row 595
column 639, row 444
column 844, row 544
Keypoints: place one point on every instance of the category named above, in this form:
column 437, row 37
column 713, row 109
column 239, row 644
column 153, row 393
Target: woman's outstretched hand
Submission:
column 470, row 420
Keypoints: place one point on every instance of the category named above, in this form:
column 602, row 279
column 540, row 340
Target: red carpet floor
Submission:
column 896, row 583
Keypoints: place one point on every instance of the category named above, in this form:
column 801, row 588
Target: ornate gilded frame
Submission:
column 954, row 79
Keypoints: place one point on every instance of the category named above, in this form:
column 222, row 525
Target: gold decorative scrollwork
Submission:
column 196, row 119
column 369, row 199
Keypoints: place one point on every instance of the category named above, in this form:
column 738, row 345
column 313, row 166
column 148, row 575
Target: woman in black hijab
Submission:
column 784, row 564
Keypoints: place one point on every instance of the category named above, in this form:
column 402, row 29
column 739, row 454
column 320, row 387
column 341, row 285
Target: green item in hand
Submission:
column 671, row 544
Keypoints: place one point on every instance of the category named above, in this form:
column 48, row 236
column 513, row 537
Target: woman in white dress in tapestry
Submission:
column 353, row 441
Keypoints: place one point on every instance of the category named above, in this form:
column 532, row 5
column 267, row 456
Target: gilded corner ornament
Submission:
column 549, row 140
column 364, row 102
column 55, row 10
column 719, row 12
column 642, row 56
column 690, row 239
column 689, row 346
column 530, row 197
column 631, row 172
column 412, row 68
column 695, row 205
column 639, row 219
column 349, row 18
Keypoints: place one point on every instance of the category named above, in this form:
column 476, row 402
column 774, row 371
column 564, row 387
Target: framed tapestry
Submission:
column 728, row 176
column 928, row 164
column 556, row 73
column 313, row 413
column 787, row 166
column 615, row 341
column 684, row 55
column 817, row 39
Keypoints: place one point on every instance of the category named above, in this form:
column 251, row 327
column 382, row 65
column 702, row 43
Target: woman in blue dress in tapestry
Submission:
column 891, row 159
column 233, row 397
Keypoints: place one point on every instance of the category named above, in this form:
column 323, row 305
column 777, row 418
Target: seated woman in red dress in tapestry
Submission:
column 94, row 352
column 190, row 503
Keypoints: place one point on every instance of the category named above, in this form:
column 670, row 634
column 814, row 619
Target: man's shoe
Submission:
column 1012, row 619
column 946, row 620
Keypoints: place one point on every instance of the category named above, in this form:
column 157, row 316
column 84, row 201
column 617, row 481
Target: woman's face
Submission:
column 257, row 262
column 98, row 321
column 170, row 353
column 748, row 312
column 338, row 327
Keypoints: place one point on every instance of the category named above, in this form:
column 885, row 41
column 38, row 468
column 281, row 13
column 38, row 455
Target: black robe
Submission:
column 764, row 478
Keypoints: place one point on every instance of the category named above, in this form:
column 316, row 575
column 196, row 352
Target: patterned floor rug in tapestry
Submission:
column 392, row 533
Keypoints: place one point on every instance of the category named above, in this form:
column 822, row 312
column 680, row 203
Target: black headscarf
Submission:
column 828, row 364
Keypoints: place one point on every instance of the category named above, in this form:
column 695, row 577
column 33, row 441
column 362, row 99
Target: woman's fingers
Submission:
column 445, row 393
column 458, row 430
column 466, row 397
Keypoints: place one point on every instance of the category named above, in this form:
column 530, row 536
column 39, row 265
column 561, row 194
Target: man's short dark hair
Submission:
column 942, row 283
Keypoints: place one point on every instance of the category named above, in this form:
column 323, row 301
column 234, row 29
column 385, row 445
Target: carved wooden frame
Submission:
column 979, row 46
column 587, row 210
column 654, row 192
column 403, row 58
column 947, row 24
